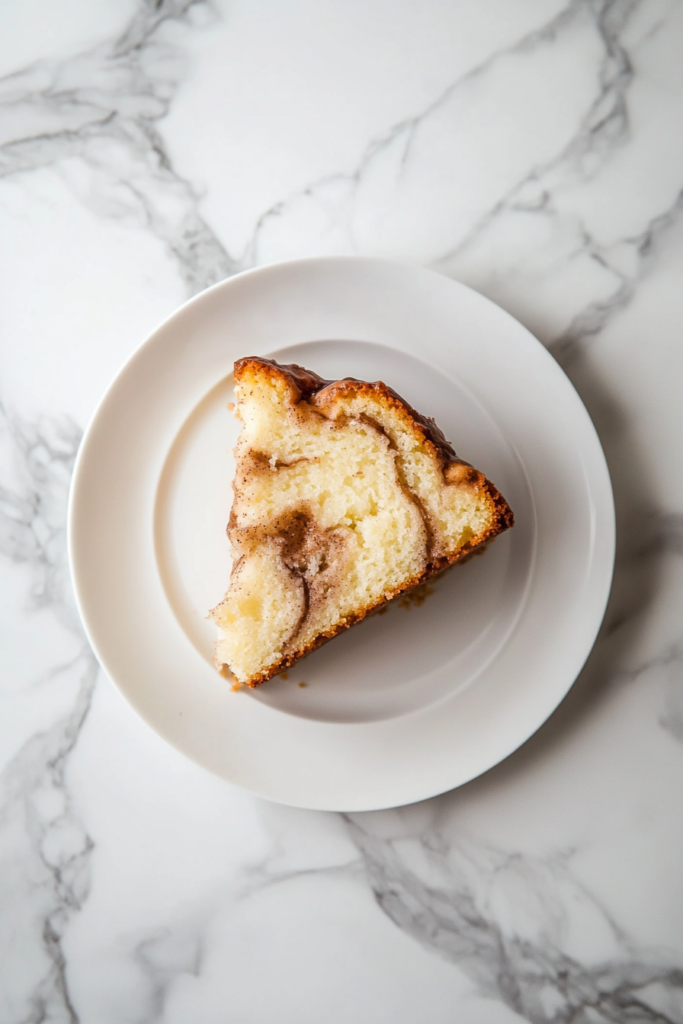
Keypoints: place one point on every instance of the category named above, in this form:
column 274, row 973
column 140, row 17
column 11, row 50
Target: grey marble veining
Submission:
column 444, row 894
column 101, row 108
column 490, row 905
column 44, row 845
column 602, row 126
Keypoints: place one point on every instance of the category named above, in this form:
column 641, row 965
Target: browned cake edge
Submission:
column 305, row 385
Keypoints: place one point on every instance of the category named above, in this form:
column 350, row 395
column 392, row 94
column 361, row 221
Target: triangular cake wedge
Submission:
column 344, row 498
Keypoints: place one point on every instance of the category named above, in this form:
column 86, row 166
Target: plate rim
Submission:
column 603, row 485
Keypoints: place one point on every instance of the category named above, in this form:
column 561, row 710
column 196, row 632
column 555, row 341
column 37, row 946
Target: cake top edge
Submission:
column 310, row 385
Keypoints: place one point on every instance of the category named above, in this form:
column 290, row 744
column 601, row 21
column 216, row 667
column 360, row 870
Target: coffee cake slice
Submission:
column 344, row 498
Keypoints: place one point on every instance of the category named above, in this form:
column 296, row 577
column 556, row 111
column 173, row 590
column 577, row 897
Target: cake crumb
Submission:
column 284, row 675
column 235, row 685
column 473, row 554
column 344, row 498
column 417, row 597
column 231, row 406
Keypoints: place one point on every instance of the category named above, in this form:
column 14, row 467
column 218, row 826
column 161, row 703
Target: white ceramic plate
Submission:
column 405, row 705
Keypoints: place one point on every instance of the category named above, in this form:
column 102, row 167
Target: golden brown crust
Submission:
column 305, row 385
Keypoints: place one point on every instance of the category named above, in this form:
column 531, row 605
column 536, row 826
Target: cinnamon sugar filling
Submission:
column 343, row 499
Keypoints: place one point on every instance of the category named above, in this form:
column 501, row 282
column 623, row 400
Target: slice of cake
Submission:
column 345, row 497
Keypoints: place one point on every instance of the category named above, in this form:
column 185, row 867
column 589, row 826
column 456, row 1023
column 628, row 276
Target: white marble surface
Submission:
column 531, row 149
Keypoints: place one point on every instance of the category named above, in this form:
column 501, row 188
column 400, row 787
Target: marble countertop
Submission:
column 532, row 150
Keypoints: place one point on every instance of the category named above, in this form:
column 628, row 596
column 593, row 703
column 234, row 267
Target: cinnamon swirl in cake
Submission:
column 344, row 498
